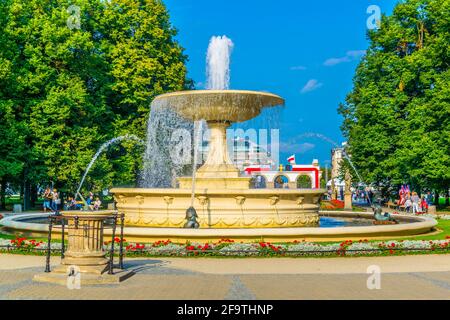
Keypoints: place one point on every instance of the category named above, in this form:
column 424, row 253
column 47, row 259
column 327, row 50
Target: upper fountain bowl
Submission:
column 219, row 105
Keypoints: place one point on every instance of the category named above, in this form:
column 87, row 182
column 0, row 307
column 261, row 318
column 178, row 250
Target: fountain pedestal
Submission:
column 218, row 171
column 348, row 192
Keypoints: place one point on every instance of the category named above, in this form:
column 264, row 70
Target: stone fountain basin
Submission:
column 413, row 225
column 219, row 105
column 220, row 208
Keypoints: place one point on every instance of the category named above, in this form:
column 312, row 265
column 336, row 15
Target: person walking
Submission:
column 56, row 201
column 408, row 203
column 415, row 202
column 424, row 204
column 47, row 199
column 370, row 196
column 429, row 198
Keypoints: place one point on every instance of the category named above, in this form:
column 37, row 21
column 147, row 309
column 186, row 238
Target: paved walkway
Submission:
column 403, row 277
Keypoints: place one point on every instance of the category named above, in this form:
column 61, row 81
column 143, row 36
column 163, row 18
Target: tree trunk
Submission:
column 33, row 195
column 26, row 195
column 447, row 197
column 3, row 194
column 22, row 195
column 436, row 198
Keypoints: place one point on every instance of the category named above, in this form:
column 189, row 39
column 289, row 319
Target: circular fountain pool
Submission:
column 333, row 225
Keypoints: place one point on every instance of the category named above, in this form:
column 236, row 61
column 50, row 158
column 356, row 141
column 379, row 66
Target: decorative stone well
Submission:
column 85, row 257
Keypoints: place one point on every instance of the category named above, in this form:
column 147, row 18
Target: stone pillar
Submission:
column 85, row 241
column 347, row 191
column 333, row 189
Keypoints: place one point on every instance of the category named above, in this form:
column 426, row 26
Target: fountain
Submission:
column 224, row 198
column 223, row 203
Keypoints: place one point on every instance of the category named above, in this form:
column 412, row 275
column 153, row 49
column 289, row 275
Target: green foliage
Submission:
column 64, row 91
column 396, row 119
column 304, row 181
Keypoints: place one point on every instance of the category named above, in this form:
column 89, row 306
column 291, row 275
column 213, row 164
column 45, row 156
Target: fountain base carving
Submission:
column 220, row 208
column 205, row 184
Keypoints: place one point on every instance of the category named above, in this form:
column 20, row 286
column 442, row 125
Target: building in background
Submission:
column 335, row 185
column 244, row 153
column 289, row 176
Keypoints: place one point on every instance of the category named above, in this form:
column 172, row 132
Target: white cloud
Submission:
column 298, row 68
column 349, row 56
column 311, row 85
column 334, row 61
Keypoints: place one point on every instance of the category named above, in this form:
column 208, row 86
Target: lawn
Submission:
column 443, row 225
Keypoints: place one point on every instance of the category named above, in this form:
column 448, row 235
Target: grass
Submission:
column 443, row 225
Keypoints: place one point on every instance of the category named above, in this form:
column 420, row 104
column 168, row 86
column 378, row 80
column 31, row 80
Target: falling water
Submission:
column 168, row 147
column 198, row 132
column 327, row 139
column 102, row 148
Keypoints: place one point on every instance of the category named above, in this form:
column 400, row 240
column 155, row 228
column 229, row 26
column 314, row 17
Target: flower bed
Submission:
column 228, row 247
column 332, row 204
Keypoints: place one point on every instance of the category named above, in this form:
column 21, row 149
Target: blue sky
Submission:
column 304, row 51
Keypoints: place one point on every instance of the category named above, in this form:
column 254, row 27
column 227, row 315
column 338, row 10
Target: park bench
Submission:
column 392, row 205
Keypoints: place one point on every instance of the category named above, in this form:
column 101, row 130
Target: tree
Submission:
column 67, row 88
column 12, row 148
column 143, row 61
column 396, row 118
column 12, row 138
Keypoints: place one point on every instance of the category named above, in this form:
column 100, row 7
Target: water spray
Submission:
column 102, row 148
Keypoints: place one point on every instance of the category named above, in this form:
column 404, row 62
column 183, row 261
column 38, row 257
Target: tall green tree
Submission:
column 396, row 118
column 144, row 61
column 12, row 131
column 74, row 74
